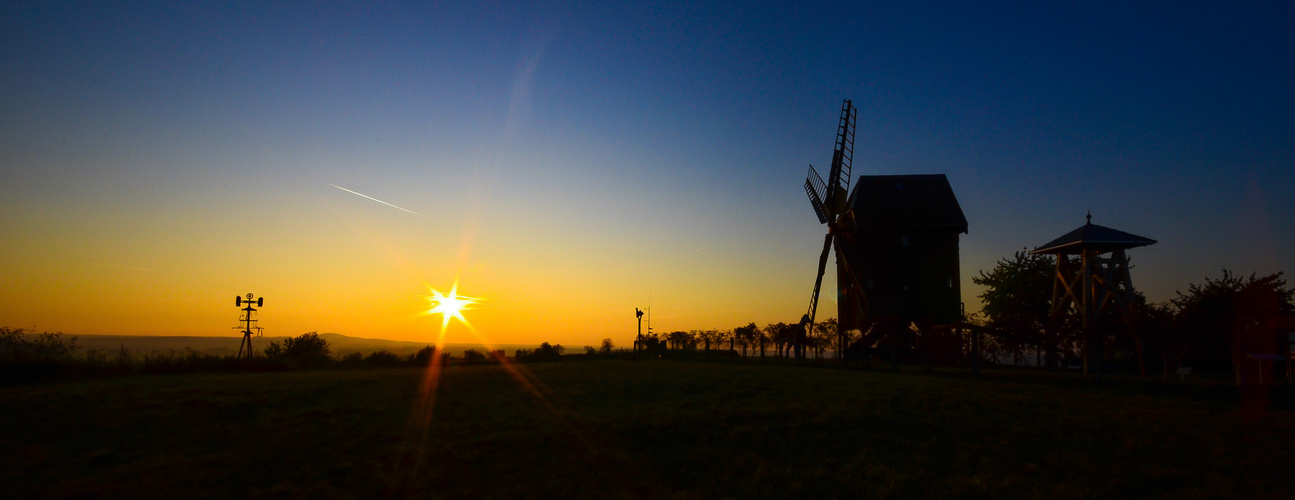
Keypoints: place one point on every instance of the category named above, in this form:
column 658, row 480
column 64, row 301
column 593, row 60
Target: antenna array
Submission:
column 248, row 321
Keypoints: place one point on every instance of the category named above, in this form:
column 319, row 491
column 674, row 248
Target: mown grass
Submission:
column 654, row 429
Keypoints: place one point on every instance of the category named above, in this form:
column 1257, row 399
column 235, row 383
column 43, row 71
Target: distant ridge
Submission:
column 338, row 343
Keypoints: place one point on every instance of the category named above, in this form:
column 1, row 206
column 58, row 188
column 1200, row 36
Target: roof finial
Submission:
column 1089, row 218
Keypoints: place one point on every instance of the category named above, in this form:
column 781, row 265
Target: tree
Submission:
column 306, row 344
column 546, row 351
column 606, row 348
column 679, row 340
column 307, row 349
column 1212, row 318
column 1017, row 302
column 746, row 335
column 382, row 359
column 769, row 335
column 17, row 346
column 423, row 357
column 718, row 337
column 826, row 334
column 33, row 356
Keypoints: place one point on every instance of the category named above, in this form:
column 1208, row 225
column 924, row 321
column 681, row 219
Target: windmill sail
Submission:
column 829, row 198
column 815, row 188
column 842, row 158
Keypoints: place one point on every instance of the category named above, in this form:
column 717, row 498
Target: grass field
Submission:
column 619, row 428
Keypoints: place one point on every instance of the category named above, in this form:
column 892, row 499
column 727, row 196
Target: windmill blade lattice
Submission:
column 828, row 198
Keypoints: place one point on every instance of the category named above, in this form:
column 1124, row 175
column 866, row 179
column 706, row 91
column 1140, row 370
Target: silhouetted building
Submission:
column 902, row 246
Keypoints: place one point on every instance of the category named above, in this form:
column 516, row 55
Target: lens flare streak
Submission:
column 418, row 428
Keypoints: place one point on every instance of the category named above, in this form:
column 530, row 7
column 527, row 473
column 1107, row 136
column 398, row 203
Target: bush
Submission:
column 545, row 352
column 25, row 356
column 382, row 359
column 18, row 346
column 423, row 357
column 352, row 360
column 306, row 350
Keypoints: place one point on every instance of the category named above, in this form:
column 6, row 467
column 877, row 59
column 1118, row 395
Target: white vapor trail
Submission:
column 377, row 200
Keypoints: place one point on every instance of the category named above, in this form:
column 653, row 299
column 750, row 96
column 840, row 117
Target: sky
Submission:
column 567, row 162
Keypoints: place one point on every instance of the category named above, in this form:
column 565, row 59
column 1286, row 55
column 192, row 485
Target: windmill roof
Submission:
column 906, row 201
column 1093, row 237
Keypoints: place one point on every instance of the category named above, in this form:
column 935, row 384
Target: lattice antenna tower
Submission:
column 248, row 323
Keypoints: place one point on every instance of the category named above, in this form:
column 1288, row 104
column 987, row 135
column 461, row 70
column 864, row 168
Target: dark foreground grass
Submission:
column 636, row 429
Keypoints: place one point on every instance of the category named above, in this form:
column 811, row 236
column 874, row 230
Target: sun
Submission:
column 449, row 306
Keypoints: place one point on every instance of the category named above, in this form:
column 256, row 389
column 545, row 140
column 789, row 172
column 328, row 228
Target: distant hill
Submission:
column 338, row 343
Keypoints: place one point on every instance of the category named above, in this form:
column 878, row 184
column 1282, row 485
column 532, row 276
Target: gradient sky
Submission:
column 572, row 162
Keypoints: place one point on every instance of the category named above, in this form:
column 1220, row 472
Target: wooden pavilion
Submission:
column 1092, row 283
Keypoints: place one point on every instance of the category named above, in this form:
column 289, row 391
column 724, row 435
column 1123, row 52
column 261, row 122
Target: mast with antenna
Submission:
column 248, row 323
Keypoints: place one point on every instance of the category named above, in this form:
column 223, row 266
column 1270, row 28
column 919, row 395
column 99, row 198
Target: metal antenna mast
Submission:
column 829, row 199
column 248, row 323
column 638, row 314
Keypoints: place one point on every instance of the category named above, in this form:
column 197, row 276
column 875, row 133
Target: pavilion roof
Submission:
column 1093, row 237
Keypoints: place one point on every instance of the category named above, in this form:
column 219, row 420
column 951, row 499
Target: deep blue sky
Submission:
column 625, row 150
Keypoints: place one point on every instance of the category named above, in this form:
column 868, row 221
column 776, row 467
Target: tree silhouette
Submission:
column 826, row 334
column 1213, row 316
column 423, row 357
column 746, row 335
column 382, row 359
column 768, row 335
column 545, row 352
column 307, row 349
column 17, row 346
column 1018, row 303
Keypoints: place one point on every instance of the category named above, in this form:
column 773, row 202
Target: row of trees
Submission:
column 775, row 339
column 26, row 356
column 1201, row 327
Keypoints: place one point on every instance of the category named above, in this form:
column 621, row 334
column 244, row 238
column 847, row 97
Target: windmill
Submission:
column 829, row 201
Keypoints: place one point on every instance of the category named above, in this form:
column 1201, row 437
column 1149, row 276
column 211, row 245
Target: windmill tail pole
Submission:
column 818, row 281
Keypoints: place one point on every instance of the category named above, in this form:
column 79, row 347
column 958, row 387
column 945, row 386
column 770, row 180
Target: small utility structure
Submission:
column 896, row 241
column 638, row 313
column 248, row 321
column 1093, row 283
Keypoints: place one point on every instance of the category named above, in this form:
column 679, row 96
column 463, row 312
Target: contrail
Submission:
column 377, row 200
column 125, row 267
